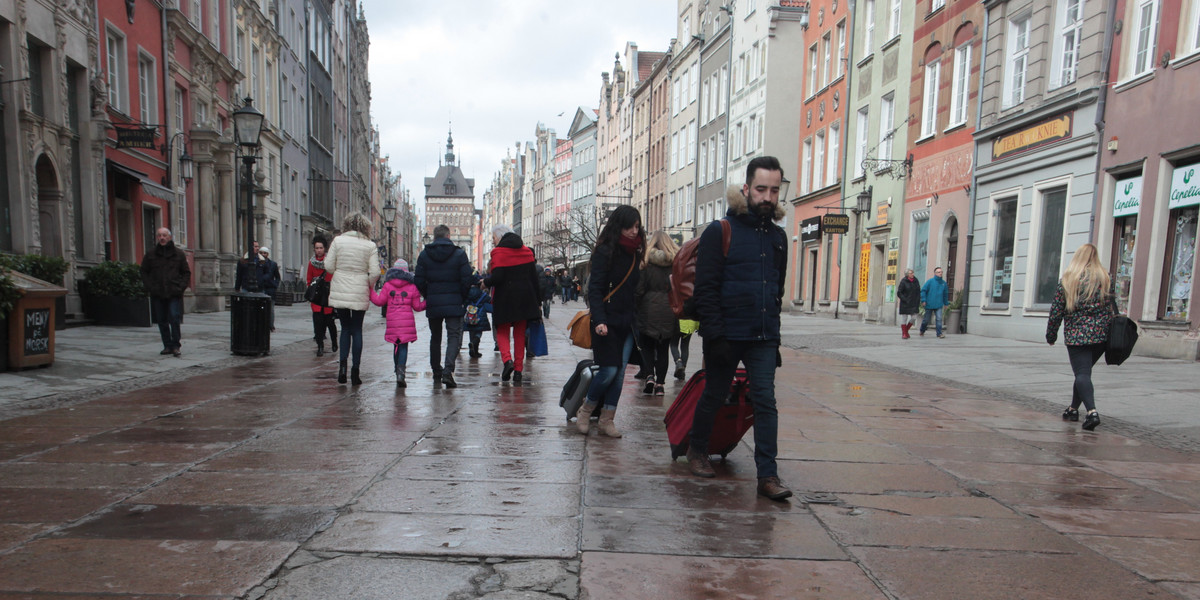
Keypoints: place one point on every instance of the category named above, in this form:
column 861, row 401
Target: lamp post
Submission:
column 250, row 331
column 389, row 218
column 863, row 204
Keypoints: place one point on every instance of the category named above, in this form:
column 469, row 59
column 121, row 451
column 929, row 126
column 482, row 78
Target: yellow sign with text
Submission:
column 864, row 271
column 1032, row 137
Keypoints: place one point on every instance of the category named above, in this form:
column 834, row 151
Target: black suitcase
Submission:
column 575, row 391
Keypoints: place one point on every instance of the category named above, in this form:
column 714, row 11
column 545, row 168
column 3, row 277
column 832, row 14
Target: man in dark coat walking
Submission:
column 909, row 294
column 739, row 298
column 547, row 285
column 166, row 275
column 444, row 277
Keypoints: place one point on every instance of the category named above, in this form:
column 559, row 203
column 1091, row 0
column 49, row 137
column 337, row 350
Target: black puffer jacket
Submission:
column 444, row 277
column 655, row 318
column 165, row 271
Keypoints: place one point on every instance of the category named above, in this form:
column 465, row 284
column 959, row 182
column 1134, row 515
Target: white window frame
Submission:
column 887, row 116
column 929, row 103
column 1069, row 32
column 841, row 48
column 806, row 167
column 178, row 100
column 813, row 88
column 826, row 48
column 894, row 20
column 869, row 28
column 674, row 152
column 1016, row 62
column 118, row 78
column 721, row 154
column 675, row 97
column 712, row 158
column 993, row 227
column 703, row 168
column 723, row 93
column 705, row 102
column 147, row 88
column 691, row 142
column 960, row 86
column 818, row 166
column 831, row 157
column 1036, row 211
column 1144, row 31
column 694, row 83
column 936, row 4
column 862, row 133
column 1192, row 31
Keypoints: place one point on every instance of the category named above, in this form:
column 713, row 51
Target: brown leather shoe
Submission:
column 773, row 488
column 700, row 465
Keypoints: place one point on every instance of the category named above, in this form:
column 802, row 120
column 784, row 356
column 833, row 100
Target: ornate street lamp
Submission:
column 389, row 218
column 250, row 331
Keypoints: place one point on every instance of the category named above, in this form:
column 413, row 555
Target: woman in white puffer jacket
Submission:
column 354, row 261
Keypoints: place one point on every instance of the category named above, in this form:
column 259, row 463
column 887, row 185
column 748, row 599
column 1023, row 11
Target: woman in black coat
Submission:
column 516, row 297
column 909, row 295
column 614, row 277
column 656, row 322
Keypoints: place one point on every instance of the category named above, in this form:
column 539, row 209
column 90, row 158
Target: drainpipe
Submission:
column 1105, row 58
column 974, row 195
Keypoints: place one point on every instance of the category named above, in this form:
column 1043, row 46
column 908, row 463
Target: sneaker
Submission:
column 773, row 488
column 1091, row 421
column 649, row 387
column 1071, row 414
column 941, row 336
column 508, row 370
column 699, row 464
column 517, row 377
column 659, row 391
column 680, row 372
column 448, row 380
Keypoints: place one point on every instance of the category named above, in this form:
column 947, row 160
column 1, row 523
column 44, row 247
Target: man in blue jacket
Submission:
column 444, row 277
column 934, row 296
column 738, row 298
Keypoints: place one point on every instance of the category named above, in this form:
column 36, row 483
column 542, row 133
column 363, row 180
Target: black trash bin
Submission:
column 249, row 326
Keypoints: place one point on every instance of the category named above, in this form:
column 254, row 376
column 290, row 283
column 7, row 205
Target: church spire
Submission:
column 450, row 147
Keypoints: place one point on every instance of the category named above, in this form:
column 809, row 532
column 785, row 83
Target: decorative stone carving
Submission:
column 98, row 89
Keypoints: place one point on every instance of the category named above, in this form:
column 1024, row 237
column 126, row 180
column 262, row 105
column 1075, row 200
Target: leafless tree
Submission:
column 571, row 237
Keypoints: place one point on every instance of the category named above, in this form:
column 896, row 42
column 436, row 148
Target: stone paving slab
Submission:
column 1183, row 526
column 428, row 534
column 621, row 576
column 870, row 527
column 474, row 497
column 181, row 522
column 363, row 578
column 488, row 469
column 256, row 489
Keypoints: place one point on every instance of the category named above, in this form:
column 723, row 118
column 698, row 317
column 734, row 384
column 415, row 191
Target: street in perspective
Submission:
column 952, row 476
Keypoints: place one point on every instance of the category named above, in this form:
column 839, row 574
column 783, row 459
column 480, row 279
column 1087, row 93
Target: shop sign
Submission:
column 1128, row 197
column 881, row 214
column 1185, row 186
column 810, row 230
column 864, row 271
column 835, row 223
column 136, row 137
column 1046, row 132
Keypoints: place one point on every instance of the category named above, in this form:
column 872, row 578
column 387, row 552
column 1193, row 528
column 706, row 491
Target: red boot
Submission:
column 904, row 330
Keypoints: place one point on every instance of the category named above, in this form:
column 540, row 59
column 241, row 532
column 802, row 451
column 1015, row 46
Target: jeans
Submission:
column 352, row 337
column 546, row 308
column 759, row 358
column 566, row 293
column 322, row 322
column 1083, row 358
column 517, row 354
column 679, row 348
column 454, row 329
column 400, row 357
column 606, row 383
column 925, row 321
column 655, row 355
column 169, row 314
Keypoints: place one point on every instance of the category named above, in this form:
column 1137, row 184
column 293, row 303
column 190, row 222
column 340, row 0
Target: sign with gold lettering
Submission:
column 136, row 137
column 1046, row 132
column 835, row 223
column 864, row 271
column 881, row 214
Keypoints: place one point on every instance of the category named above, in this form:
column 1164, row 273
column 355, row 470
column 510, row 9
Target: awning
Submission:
column 148, row 185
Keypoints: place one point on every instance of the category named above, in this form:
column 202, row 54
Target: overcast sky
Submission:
column 493, row 69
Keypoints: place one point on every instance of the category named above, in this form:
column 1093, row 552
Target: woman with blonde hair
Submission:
column 656, row 322
column 1084, row 305
column 353, row 259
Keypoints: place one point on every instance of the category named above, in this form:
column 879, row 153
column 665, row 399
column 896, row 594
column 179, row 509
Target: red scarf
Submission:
column 631, row 245
column 511, row 257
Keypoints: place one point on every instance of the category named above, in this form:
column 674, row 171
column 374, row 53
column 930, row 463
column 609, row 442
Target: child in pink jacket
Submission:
column 399, row 293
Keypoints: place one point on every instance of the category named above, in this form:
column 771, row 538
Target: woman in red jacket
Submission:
column 322, row 316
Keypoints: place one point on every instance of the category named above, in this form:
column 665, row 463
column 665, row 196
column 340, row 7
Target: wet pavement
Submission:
column 218, row 477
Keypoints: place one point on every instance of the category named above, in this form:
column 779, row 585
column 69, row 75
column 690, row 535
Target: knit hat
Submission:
column 400, row 264
column 264, row 250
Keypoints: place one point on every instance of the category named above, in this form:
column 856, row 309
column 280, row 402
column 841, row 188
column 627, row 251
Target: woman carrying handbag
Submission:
column 619, row 248
column 1084, row 305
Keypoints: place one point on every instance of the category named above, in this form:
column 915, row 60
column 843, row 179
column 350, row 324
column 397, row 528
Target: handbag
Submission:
column 318, row 290
column 535, row 332
column 1122, row 335
column 580, row 327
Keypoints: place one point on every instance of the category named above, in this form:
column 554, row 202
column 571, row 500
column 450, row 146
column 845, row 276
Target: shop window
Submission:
column 1004, row 217
column 1049, row 256
column 1181, row 257
column 920, row 245
column 1124, row 238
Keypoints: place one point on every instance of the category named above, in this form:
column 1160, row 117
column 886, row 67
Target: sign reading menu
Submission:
column 1128, row 197
column 37, row 331
column 1185, row 186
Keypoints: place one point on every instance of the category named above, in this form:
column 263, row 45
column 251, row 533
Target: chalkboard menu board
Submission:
column 37, row 331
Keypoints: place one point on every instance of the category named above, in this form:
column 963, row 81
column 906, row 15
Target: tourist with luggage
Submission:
column 738, row 298
column 402, row 298
column 656, row 322
column 613, row 280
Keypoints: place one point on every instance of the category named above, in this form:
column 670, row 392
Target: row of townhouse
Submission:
column 116, row 119
column 990, row 138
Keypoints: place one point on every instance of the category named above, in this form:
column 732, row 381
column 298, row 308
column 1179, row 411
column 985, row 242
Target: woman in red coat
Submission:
column 322, row 316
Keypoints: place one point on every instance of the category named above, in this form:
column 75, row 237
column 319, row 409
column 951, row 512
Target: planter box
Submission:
column 112, row 310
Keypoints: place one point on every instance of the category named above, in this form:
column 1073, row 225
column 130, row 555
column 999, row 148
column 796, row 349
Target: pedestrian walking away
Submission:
column 475, row 317
column 1084, row 305
column 402, row 298
column 738, row 300
column 680, row 346
column 322, row 315
column 611, row 285
column 166, row 275
column 934, row 296
column 268, row 282
column 443, row 275
column 516, row 297
column 546, row 286
column 657, row 324
column 354, row 261
column 909, row 295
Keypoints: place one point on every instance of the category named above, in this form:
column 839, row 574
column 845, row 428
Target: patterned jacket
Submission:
column 1088, row 324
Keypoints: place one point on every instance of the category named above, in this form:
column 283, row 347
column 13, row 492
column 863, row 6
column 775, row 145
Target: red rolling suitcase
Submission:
column 734, row 418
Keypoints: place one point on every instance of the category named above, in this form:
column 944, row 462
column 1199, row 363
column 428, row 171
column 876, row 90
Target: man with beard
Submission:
column 738, row 298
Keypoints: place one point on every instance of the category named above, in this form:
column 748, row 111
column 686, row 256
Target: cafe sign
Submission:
column 1046, row 132
column 1128, row 197
column 1185, row 186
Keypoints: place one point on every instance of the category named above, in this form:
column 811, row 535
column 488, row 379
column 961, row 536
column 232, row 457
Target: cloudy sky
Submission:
column 494, row 69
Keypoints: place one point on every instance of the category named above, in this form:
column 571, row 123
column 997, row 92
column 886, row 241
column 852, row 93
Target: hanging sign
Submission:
column 1185, row 186
column 864, row 266
column 1128, row 197
column 835, row 223
column 810, row 230
column 136, row 137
